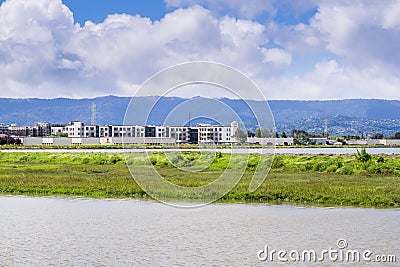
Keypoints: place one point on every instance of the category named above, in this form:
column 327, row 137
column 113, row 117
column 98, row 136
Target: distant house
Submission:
column 271, row 141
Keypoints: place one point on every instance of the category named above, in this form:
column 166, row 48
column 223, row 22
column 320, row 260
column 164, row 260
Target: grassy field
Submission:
column 361, row 181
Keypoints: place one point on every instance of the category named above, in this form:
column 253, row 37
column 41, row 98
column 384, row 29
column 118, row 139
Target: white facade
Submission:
column 58, row 130
column 139, row 131
column 162, row 131
column 75, row 129
column 234, row 127
column 214, row 134
column 91, row 131
column 121, row 131
column 179, row 133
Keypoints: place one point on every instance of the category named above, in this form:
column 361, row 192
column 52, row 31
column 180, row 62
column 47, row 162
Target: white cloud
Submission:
column 32, row 36
column 43, row 53
column 391, row 18
column 363, row 32
column 330, row 80
column 277, row 56
column 245, row 9
column 349, row 49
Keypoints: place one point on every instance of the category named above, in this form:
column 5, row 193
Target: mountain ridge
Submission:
column 374, row 115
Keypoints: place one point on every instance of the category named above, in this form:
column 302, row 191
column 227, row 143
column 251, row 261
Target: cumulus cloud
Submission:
column 330, row 80
column 363, row 32
column 44, row 53
column 277, row 56
column 347, row 49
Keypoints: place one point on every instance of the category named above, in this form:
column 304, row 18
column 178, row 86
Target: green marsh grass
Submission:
column 303, row 179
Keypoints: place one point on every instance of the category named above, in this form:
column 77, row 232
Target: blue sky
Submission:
column 292, row 49
column 97, row 10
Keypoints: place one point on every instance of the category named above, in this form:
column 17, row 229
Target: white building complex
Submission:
column 200, row 134
column 80, row 134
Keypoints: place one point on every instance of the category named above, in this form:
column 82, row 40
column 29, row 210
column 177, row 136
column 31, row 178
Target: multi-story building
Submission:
column 57, row 129
column 162, row 131
column 75, row 129
column 41, row 129
column 15, row 130
column 200, row 134
column 105, row 131
column 3, row 129
column 193, row 136
column 79, row 129
column 91, row 131
column 122, row 131
column 208, row 133
column 140, row 131
column 180, row 133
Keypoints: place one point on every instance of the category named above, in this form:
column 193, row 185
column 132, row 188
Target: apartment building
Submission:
column 208, row 133
column 121, row 131
column 58, row 129
column 15, row 130
column 3, row 129
column 203, row 133
column 91, row 131
column 180, row 133
column 75, row 129
column 200, row 134
column 42, row 129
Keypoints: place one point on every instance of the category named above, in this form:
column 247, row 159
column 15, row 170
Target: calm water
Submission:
column 87, row 232
column 335, row 151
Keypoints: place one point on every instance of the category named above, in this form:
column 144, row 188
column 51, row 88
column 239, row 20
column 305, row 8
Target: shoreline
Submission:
column 201, row 204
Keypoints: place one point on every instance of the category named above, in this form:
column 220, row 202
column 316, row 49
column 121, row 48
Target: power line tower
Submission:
column 93, row 113
column 326, row 133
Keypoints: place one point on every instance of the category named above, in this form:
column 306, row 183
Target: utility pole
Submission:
column 326, row 133
column 93, row 113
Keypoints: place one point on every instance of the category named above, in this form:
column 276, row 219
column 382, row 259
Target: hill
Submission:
column 350, row 116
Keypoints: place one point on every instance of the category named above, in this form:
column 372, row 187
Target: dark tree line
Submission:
column 8, row 140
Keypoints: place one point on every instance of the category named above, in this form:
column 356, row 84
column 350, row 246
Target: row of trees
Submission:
column 263, row 133
column 374, row 136
column 241, row 136
column 8, row 140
